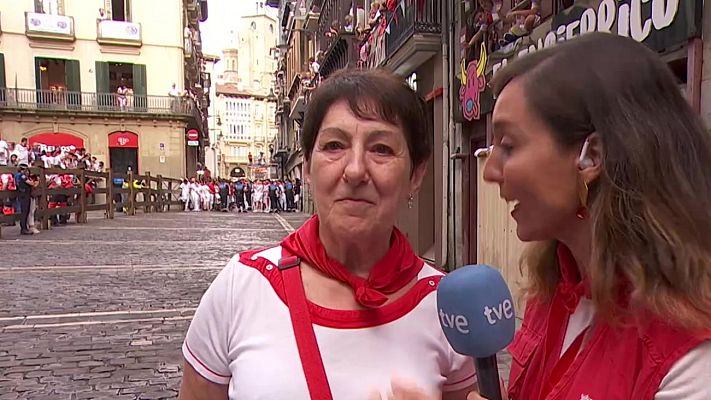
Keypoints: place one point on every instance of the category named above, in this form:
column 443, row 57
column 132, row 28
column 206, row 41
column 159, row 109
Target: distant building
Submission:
column 77, row 75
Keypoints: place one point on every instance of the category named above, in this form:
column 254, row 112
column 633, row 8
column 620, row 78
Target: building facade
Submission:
column 246, row 105
column 101, row 78
column 406, row 40
column 437, row 47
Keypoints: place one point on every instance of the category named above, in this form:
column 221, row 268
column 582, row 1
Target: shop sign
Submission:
column 659, row 24
column 123, row 139
column 473, row 82
column 52, row 141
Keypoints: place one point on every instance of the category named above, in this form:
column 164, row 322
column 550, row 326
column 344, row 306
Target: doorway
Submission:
column 123, row 158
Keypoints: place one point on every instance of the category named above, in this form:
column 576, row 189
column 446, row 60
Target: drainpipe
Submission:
column 444, row 229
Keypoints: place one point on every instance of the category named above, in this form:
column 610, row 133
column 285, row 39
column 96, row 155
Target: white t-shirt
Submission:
column 3, row 152
column 242, row 335
column 688, row 378
column 23, row 155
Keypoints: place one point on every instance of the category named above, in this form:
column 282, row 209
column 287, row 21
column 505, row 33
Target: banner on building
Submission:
column 49, row 142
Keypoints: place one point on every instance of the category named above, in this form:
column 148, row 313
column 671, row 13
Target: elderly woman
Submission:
column 343, row 307
column 608, row 168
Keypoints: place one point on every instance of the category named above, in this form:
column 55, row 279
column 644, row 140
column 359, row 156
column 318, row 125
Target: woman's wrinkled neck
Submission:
column 357, row 254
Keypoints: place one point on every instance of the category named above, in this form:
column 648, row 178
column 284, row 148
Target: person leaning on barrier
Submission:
column 370, row 300
column 24, row 183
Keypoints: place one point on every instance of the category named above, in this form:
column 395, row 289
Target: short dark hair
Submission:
column 371, row 94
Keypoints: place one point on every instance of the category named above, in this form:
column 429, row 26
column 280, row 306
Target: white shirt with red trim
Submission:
column 242, row 335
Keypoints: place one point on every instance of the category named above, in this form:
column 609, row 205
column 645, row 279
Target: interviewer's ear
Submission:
column 591, row 158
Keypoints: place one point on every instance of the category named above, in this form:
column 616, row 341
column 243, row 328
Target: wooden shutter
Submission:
column 103, row 85
column 38, row 76
column 3, row 82
column 73, row 81
column 139, row 86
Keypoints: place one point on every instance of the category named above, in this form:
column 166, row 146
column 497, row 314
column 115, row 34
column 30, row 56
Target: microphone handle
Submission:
column 487, row 373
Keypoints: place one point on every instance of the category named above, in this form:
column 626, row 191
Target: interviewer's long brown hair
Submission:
column 651, row 206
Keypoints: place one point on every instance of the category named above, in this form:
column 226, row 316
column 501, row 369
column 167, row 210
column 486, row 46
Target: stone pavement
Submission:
column 99, row 311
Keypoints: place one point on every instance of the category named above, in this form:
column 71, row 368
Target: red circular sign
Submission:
column 193, row 134
column 53, row 141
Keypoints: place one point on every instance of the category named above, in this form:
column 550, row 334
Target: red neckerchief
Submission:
column 391, row 273
column 567, row 296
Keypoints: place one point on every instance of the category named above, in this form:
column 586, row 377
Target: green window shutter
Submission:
column 103, row 96
column 139, row 87
column 102, row 77
column 73, row 81
column 3, row 83
column 38, row 75
column 72, row 75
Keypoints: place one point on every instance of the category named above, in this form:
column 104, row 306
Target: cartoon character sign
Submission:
column 473, row 83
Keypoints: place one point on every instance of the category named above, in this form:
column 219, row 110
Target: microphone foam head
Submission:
column 476, row 311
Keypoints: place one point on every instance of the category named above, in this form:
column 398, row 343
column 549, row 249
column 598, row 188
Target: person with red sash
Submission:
column 607, row 167
column 343, row 308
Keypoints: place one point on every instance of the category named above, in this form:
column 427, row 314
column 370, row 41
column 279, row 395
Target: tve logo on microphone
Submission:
column 501, row 311
column 475, row 310
column 458, row 322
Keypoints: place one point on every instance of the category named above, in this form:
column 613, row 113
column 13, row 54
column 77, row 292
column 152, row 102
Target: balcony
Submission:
column 118, row 32
column 49, row 26
column 415, row 38
column 55, row 102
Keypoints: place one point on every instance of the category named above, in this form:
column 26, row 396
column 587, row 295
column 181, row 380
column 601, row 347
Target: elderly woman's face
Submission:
column 360, row 172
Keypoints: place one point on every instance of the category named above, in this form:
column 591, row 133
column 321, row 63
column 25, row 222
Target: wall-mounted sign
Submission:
column 123, row 139
column 660, row 24
column 53, row 141
column 473, row 82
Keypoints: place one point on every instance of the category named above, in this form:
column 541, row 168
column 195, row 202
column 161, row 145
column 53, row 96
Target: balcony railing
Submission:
column 417, row 18
column 49, row 26
column 51, row 100
column 118, row 32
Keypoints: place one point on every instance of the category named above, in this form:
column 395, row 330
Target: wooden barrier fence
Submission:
column 143, row 192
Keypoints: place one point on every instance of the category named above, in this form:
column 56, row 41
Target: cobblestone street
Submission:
column 100, row 311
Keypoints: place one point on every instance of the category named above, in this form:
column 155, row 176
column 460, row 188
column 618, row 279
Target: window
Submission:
column 271, row 28
column 55, row 7
column 121, row 10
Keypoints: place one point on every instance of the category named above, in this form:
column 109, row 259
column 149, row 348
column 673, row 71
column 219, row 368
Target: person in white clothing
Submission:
column 4, row 153
column 194, row 195
column 367, row 299
column 185, row 194
column 22, row 152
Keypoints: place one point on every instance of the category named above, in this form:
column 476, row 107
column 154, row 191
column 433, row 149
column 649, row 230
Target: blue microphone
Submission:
column 477, row 316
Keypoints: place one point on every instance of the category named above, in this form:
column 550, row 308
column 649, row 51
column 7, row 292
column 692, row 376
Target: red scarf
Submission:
column 391, row 273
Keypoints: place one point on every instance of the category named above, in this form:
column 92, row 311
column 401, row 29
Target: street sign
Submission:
column 193, row 135
column 193, row 143
column 162, row 146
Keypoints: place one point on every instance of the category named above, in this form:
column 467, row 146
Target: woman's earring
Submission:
column 583, row 192
column 410, row 202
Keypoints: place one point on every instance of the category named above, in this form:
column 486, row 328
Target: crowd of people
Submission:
column 17, row 154
column 243, row 195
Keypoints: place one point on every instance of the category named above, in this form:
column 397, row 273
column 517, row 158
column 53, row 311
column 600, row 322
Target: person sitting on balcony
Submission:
column 121, row 93
column 348, row 23
column 523, row 22
column 484, row 21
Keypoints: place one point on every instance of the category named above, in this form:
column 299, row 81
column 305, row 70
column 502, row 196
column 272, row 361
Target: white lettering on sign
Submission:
column 50, row 148
column 454, row 321
column 122, row 141
column 628, row 17
column 500, row 311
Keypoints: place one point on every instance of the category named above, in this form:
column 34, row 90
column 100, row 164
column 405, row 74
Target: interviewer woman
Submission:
column 608, row 168
column 369, row 300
